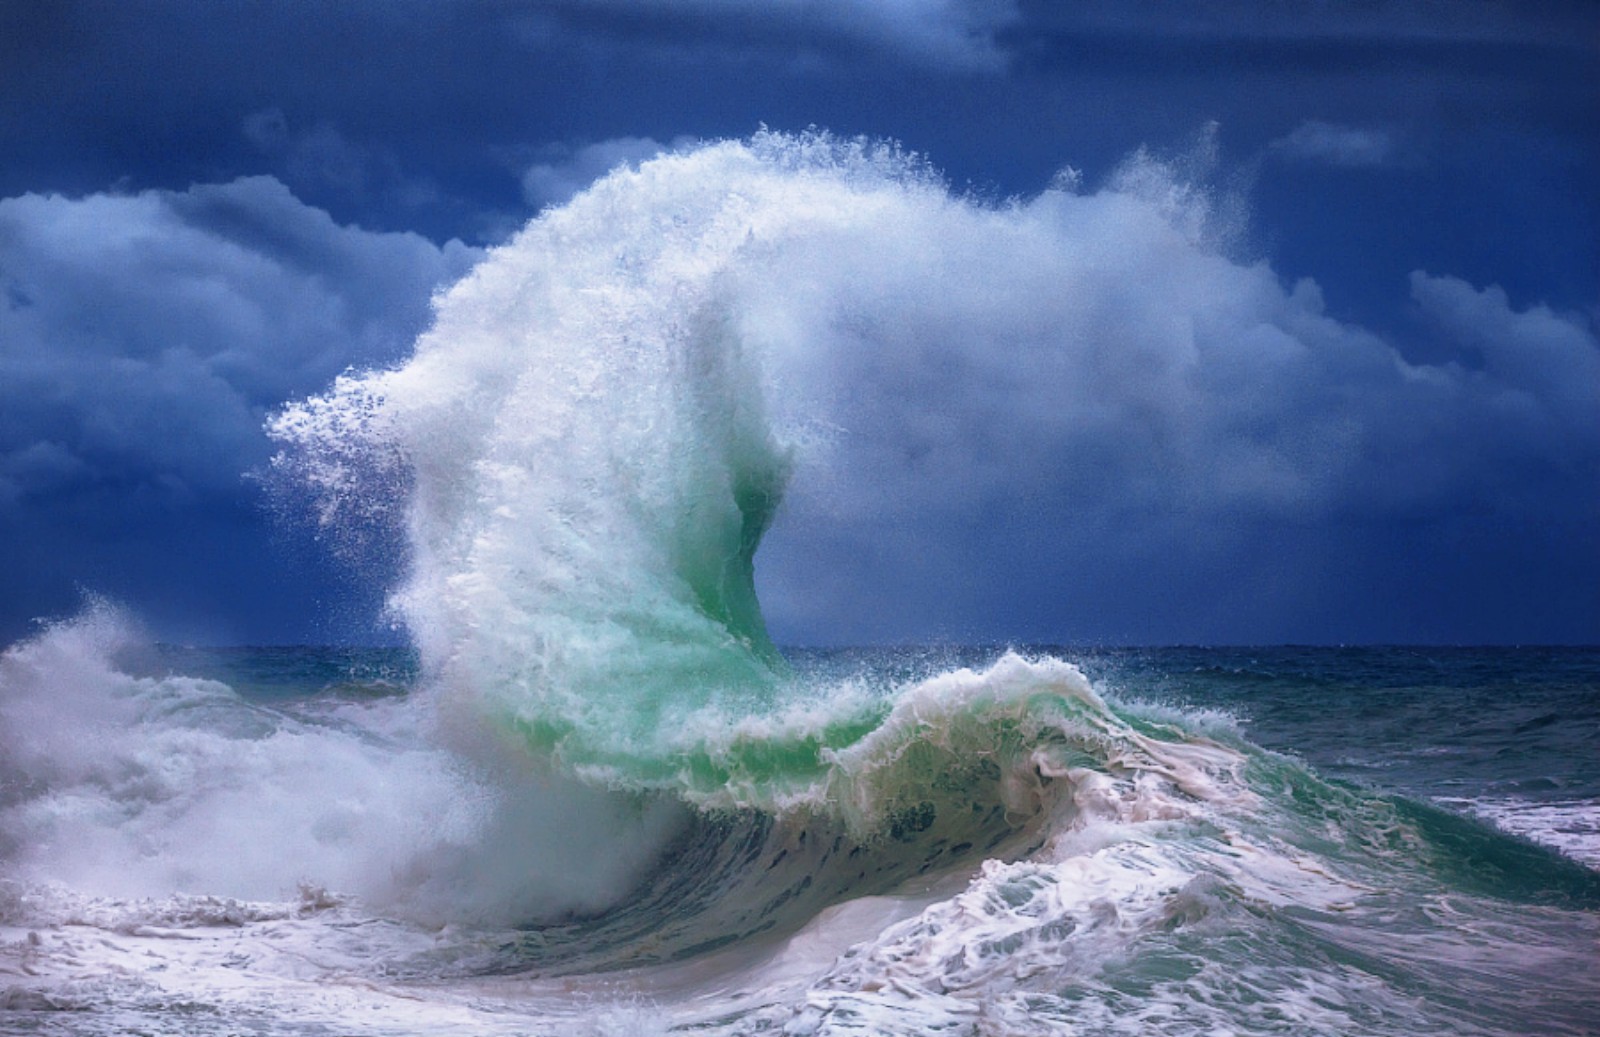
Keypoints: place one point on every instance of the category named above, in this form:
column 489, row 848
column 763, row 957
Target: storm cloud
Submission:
column 144, row 338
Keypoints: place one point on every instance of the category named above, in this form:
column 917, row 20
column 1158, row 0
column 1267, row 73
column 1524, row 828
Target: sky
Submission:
column 210, row 210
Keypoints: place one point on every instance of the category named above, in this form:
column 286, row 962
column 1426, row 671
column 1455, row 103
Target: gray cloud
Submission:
column 1322, row 142
column 566, row 170
column 321, row 159
column 1550, row 359
column 955, row 32
column 158, row 325
column 1423, row 22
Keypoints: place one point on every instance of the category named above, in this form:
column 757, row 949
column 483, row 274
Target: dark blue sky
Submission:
column 207, row 210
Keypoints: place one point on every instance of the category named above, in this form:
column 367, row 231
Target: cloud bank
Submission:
column 144, row 337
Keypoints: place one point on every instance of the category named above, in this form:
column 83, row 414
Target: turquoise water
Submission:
column 1430, row 722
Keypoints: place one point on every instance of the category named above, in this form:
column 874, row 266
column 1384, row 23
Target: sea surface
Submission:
column 962, row 840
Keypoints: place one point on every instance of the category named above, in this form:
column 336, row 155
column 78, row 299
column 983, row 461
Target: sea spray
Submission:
column 133, row 785
column 812, row 335
column 589, row 449
column 120, row 779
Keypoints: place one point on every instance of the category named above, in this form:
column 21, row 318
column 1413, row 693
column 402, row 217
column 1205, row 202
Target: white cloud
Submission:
column 1331, row 144
column 146, row 335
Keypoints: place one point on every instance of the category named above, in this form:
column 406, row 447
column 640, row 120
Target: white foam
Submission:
column 1573, row 827
column 125, row 787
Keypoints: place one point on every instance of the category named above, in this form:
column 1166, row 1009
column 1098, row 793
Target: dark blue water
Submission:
column 1430, row 721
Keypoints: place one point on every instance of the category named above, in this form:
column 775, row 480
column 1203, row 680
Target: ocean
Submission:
column 593, row 797
column 952, row 840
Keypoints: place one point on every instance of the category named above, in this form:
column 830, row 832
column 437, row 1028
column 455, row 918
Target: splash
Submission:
column 174, row 796
column 588, row 444
column 586, row 450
